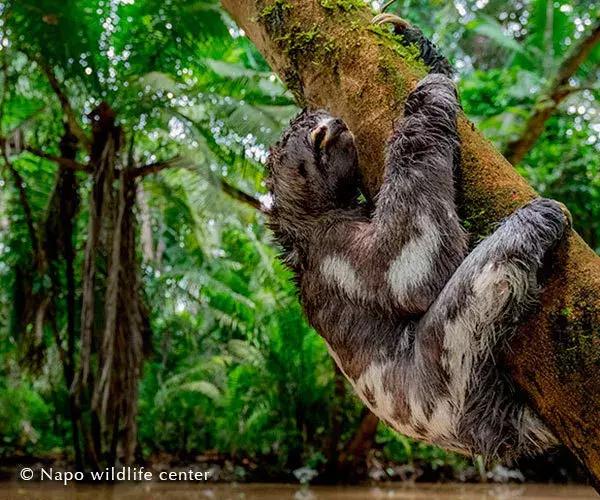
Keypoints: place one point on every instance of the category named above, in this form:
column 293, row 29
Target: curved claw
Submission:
column 566, row 213
column 398, row 23
column 413, row 35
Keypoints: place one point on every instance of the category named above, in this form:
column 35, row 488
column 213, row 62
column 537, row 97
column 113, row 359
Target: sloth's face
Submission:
column 314, row 165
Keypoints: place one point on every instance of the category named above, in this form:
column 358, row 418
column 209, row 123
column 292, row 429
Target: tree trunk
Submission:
column 332, row 57
column 68, row 207
column 115, row 329
column 352, row 462
column 332, row 444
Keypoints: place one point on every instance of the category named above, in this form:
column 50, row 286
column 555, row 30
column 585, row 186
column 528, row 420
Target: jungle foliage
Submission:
column 143, row 311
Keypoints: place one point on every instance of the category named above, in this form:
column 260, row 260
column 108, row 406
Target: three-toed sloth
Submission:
column 413, row 321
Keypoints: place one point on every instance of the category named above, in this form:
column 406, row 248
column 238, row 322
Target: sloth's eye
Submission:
column 317, row 136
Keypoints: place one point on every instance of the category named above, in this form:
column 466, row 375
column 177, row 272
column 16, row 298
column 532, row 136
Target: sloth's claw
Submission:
column 398, row 23
column 566, row 213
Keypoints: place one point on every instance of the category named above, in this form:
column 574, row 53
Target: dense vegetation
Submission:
column 143, row 313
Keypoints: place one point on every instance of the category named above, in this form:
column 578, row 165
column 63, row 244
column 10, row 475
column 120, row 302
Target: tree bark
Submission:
column 332, row 57
column 115, row 329
column 68, row 204
column 334, row 436
column 70, row 115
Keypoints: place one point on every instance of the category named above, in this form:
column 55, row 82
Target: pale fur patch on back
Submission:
column 458, row 358
column 442, row 422
column 370, row 384
column 470, row 337
column 339, row 271
column 371, row 381
column 416, row 408
column 415, row 262
column 381, row 401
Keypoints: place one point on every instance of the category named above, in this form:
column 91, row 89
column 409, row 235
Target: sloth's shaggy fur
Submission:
column 413, row 321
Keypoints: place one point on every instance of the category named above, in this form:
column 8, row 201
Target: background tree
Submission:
column 88, row 55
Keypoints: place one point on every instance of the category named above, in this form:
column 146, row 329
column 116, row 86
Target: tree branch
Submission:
column 359, row 74
column 229, row 189
column 153, row 168
column 63, row 162
column 558, row 90
column 241, row 196
column 577, row 56
column 70, row 116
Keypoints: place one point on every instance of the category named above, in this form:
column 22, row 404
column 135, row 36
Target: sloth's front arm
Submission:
column 404, row 255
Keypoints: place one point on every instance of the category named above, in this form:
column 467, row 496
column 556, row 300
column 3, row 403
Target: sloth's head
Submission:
column 314, row 167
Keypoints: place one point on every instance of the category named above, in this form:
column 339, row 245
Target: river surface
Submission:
column 200, row 491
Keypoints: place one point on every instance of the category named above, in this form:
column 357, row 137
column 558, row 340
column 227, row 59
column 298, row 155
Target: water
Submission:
column 200, row 491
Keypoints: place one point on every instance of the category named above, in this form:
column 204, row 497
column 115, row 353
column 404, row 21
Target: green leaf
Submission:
column 203, row 387
column 492, row 29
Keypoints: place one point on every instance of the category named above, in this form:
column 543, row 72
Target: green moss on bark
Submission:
column 578, row 337
column 300, row 45
column 389, row 75
column 343, row 5
column 408, row 52
column 293, row 81
column 273, row 16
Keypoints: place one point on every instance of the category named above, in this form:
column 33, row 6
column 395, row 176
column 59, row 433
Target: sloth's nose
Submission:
column 327, row 131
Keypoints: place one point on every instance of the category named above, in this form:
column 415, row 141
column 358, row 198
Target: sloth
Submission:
column 415, row 322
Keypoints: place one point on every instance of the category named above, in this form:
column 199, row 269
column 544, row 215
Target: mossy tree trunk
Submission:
column 330, row 56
